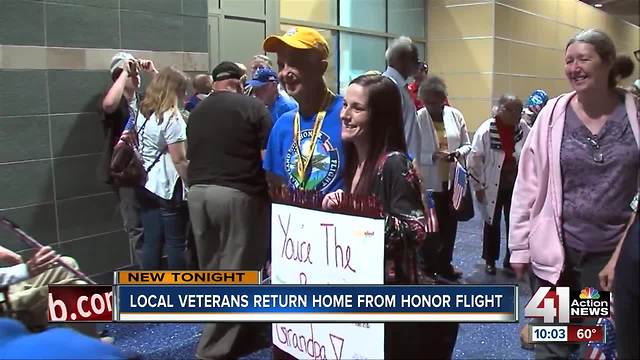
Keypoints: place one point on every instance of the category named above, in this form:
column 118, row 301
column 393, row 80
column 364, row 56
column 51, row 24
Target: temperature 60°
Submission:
column 585, row 333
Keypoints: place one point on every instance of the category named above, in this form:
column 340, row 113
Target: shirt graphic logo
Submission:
column 324, row 163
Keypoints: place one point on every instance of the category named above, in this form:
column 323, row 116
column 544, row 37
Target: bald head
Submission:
column 509, row 110
column 202, row 83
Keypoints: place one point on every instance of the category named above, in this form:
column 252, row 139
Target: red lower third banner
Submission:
column 80, row 303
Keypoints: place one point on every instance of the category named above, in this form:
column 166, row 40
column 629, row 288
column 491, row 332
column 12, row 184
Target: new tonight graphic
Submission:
column 288, row 303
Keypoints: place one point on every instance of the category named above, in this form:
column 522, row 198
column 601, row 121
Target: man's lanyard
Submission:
column 304, row 161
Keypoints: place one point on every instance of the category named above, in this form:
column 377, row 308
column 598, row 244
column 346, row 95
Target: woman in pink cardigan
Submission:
column 577, row 175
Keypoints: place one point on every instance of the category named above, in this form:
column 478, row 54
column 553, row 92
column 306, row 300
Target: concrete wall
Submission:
column 54, row 60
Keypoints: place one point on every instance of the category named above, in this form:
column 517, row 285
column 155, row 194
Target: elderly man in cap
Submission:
column 228, row 202
column 305, row 148
column 119, row 103
column 264, row 86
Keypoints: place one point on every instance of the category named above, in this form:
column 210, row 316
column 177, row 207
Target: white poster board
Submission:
column 315, row 247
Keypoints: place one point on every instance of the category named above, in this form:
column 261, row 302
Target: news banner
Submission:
column 239, row 296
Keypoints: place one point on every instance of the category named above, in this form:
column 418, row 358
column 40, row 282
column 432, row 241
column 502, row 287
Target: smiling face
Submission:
column 299, row 69
column 584, row 68
column 355, row 114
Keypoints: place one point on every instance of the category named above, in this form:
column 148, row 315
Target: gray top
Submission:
column 599, row 180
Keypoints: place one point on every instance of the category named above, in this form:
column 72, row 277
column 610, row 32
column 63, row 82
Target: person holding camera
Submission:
column 445, row 139
column 119, row 103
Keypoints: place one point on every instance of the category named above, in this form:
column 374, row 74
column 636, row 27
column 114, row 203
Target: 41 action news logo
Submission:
column 559, row 304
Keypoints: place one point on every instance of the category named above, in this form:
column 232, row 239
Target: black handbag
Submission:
column 464, row 211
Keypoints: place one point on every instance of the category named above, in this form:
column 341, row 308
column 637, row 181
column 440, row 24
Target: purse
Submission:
column 126, row 167
column 462, row 202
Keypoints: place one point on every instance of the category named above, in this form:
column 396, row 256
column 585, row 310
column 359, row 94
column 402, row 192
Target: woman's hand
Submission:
column 606, row 275
column 520, row 269
column 148, row 66
column 332, row 200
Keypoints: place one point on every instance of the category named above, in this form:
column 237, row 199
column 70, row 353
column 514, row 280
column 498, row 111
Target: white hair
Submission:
column 402, row 43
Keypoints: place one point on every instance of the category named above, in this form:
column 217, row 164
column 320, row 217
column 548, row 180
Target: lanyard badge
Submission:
column 305, row 158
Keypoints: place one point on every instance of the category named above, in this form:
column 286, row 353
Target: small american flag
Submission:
column 459, row 185
column 430, row 215
column 606, row 350
column 129, row 132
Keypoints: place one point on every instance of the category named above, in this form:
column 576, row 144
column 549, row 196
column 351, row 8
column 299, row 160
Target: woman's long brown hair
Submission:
column 384, row 133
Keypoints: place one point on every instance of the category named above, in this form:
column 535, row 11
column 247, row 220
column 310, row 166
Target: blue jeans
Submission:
column 164, row 225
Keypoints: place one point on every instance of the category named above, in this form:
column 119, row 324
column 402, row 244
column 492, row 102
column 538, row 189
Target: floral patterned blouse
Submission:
column 397, row 187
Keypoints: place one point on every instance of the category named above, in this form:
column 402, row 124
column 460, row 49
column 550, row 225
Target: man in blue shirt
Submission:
column 305, row 147
column 264, row 86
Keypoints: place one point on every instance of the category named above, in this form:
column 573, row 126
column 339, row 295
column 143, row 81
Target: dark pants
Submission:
column 448, row 226
column 231, row 233
column 131, row 219
column 581, row 270
column 408, row 340
column 626, row 302
column 491, row 233
column 164, row 224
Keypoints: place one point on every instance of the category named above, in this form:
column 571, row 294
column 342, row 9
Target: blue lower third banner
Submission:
column 321, row 303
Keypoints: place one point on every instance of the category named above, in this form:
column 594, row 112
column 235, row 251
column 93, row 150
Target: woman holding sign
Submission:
column 376, row 163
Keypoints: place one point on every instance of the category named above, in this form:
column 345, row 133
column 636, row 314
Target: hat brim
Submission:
column 274, row 43
column 256, row 83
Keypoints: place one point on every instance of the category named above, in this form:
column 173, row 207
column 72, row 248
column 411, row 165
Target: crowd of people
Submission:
column 561, row 172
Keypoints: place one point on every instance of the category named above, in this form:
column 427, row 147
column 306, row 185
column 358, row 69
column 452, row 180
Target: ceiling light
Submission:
column 598, row 5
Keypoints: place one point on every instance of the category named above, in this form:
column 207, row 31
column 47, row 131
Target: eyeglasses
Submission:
column 598, row 157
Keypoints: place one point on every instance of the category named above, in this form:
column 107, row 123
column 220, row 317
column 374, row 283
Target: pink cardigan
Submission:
column 535, row 228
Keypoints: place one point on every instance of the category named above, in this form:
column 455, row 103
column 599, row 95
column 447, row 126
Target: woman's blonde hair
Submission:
column 163, row 92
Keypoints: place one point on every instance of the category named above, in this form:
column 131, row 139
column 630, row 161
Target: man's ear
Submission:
column 324, row 65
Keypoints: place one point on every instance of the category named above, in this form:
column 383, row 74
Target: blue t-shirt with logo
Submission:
column 281, row 157
column 281, row 106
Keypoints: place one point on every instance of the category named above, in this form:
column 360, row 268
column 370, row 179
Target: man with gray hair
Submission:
column 402, row 57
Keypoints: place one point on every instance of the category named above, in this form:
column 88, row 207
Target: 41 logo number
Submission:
column 549, row 305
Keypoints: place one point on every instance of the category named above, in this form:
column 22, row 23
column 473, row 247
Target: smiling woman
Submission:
column 568, row 216
column 376, row 163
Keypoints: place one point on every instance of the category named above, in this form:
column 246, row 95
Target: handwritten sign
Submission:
column 315, row 247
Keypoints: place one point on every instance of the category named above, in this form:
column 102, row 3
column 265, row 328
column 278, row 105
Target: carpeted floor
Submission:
column 475, row 341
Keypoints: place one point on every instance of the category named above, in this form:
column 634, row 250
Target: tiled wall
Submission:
column 460, row 50
column 487, row 48
column 54, row 58
column 531, row 36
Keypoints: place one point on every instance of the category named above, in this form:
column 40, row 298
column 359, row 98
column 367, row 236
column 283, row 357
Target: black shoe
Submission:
column 441, row 280
column 490, row 269
column 451, row 273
